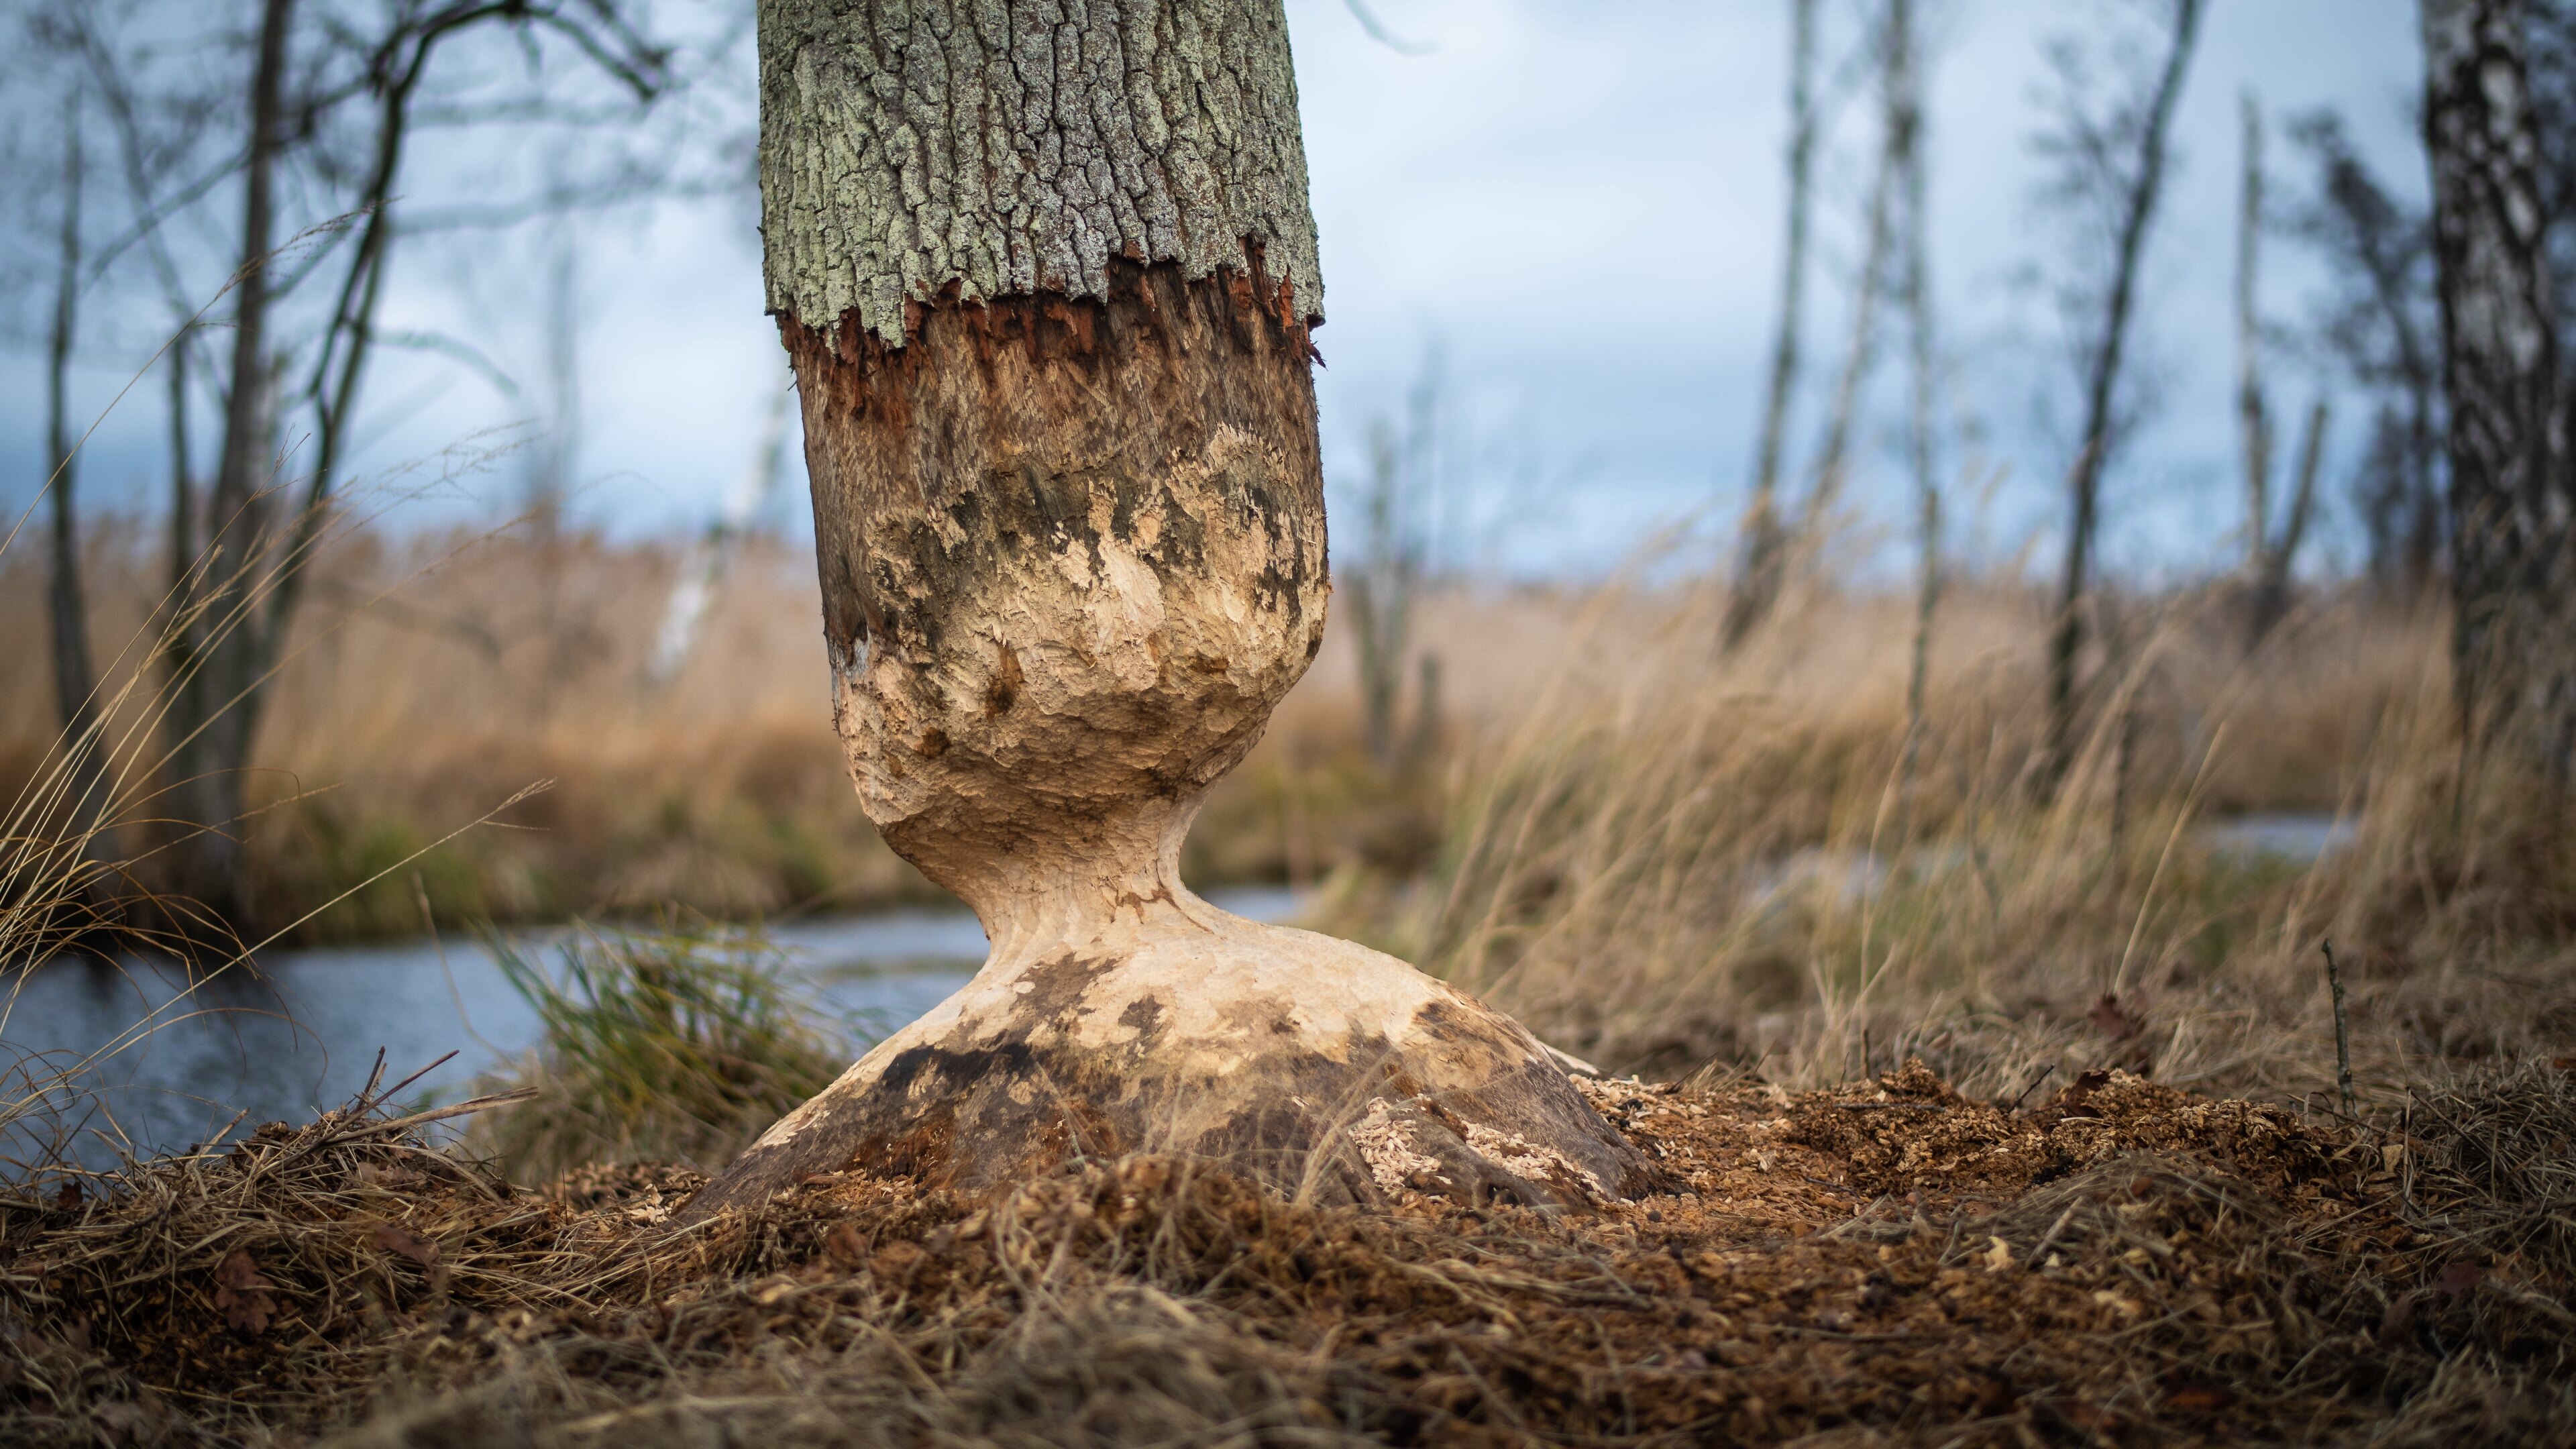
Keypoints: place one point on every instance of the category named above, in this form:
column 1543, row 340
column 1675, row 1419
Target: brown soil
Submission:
column 1881, row 1263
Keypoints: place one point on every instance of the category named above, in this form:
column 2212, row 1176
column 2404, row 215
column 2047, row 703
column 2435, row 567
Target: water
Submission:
column 302, row 1035
column 2291, row 836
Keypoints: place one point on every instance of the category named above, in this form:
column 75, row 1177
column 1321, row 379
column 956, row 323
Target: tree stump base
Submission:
column 1324, row 1070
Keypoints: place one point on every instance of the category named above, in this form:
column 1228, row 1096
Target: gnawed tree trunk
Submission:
column 2513, row 506
column 1047, row 288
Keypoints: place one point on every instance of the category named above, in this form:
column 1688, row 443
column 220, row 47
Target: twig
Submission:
column 2031, row 1086
column 438, row 1114
column 2343, row 1031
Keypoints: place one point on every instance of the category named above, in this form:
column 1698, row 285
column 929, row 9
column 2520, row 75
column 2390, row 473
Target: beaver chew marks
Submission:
column 1072, row 554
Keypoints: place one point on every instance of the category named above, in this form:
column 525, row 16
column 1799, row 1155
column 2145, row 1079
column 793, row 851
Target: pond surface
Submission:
column 301, row 1034
column 2297, row 837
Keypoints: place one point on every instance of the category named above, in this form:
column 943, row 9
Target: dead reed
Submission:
column 1670, row 855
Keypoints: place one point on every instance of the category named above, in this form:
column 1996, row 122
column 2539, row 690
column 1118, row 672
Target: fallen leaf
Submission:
column 69, row 1197
column 394, row 1179
column 242, row 1294
column 395, row 1239
column 2000, row 1256
column 2109, row 1019
column 2085, row 1085
column 2398, row 1323
column 844, row 1246
column 2192, row 1397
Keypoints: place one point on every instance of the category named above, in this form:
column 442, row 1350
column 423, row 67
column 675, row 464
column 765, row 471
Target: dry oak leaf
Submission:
column 844, row 1245
column 242, row 1294
column 2112, row 1020
column 395, row 1239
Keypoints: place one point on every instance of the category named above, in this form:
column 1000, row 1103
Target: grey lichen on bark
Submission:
column 1009, row 147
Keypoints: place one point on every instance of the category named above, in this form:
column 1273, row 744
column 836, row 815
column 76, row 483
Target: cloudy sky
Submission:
column 1575, row 206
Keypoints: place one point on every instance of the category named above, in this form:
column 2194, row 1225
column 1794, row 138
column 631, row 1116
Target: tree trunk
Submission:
column 2272, row 578
column 2102, row 377
column 2513, row 542
column 2253, row 414
column 83, row 785
column 210, row 722
column 1914, row 295
column 1757, row 576
column 1047, row 287
column 1860, row 353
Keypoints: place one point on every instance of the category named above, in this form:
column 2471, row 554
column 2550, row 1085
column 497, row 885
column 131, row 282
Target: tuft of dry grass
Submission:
column 680, row 1045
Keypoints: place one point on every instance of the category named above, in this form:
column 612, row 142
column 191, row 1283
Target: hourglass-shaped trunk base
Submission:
column 1322, row 1069
column 1072, row 555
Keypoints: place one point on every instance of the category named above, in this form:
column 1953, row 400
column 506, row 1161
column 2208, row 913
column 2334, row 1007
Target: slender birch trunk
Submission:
column 1914, row 294
column 2512, row 503
column 2102, row 370
column 1757, row 577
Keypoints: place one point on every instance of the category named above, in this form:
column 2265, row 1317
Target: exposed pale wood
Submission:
column 1070, row 526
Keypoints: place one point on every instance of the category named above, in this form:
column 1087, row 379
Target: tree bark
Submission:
column 2253, row 415
column 2272, row 578
column 1757, row 576
column 211, row 722
column 84, row 785
column 2102, row 377
column 1860, row 353
column 1048, row 287
column 2512, row 505
column 1914, row 294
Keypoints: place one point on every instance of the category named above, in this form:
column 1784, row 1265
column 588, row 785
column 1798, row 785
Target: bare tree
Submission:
column 2381, row 320
column 1757, row 571
column 2116, row 163
column 1385, row 579
column 2269, row 551
column 330, row 92
column 1891, row 42
column 2253, row 416
column 1906, row 148
column 701, row 575
column 1068, row 504
column 83, row 785
column 2512, row 503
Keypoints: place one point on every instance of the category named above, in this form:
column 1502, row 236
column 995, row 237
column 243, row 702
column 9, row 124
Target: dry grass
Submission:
column 678, row 1045
column 1881, row 1262
column 1665, row 858
column 2103, row 1199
